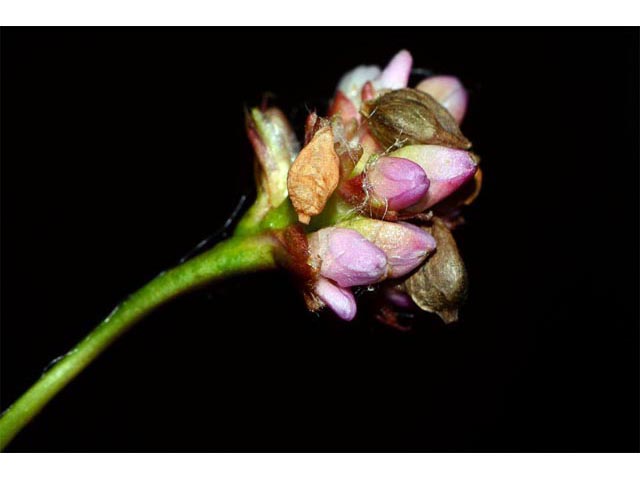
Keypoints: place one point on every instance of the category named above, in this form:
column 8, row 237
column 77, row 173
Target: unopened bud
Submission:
column 405, row 246
column 344, row 107
column 398, row 297
column 338, row 299
column 446, row 168
column 396, row 182
column 346, row 257
column 396, row 73
column 352, row 82
column 449, row 92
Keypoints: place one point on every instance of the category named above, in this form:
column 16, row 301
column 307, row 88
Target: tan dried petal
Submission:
column 314, row 175
column 440, row 285
column 411, row 117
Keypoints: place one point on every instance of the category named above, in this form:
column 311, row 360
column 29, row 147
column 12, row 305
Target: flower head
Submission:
column 367, row 189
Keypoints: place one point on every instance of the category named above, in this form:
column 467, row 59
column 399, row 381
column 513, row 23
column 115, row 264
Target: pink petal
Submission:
column 340, row 300
column 398, row 298
column 352, row 82
column 344, row 107
column 449, row 91
column 411, row 250
column 446, row 168
column 396, row 73
column 346, row 257
column 405, row 246
column 397, row 181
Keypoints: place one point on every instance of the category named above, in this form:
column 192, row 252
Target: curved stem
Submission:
column 233, row 256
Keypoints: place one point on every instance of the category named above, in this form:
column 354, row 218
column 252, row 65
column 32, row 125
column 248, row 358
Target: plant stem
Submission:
column 233, row 256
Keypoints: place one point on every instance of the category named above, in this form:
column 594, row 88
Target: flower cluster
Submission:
column 374, row 191
column 368, row 200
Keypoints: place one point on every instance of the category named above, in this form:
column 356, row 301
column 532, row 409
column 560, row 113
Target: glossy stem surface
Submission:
column 233, row 256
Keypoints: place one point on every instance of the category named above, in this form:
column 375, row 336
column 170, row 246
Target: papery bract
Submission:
column 314, row 175
column 411, row 117
column 440, row 285
column 276, row 146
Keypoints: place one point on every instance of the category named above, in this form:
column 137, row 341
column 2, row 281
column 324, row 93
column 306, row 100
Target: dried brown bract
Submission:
column 440, row 285
column 411, row 117
column 314, row 175
column 294, row 257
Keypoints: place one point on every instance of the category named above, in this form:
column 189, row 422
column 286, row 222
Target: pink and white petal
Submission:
column 449, row 91
column 447, row 170
column 352, row 82
column 396, row 73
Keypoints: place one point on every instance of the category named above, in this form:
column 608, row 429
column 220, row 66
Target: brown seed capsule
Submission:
column 314, row 175
column 440, row 285
column 411, row 117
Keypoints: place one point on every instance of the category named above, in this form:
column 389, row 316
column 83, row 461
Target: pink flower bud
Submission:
column 352, row 82
column 396, row 73
column 446, row 168
column 398, row 297
column 449, row 92
column 368, row 92
column 407, row 250
column 397, row 181
column 340, row 300
column 344, row 107
column 346, row 257
column 405, row 245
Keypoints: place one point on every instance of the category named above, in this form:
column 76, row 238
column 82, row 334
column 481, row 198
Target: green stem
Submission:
column 249, row 223
column 261, row 217
column 233, row 256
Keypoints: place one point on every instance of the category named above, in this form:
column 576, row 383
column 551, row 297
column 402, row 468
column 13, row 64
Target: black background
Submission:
column 122, row 149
